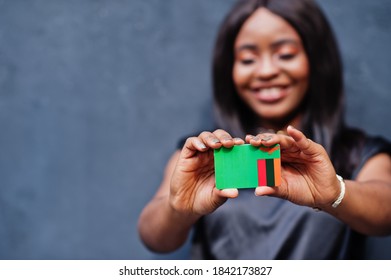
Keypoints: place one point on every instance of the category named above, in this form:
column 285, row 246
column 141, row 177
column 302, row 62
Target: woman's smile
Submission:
column 270, row 94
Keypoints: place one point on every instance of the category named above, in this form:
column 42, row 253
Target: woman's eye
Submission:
column 247, row 61
column 287, row 56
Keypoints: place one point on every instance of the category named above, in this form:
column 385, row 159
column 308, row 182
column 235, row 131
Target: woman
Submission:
column 276, row 67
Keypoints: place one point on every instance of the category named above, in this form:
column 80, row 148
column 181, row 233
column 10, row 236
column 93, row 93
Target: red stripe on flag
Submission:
column 262, row 172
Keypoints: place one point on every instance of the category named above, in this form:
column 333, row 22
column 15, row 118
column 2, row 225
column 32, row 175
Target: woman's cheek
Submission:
column 299, row 69
column 242, row 75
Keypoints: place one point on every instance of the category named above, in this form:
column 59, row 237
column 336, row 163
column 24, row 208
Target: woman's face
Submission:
column 271, row 69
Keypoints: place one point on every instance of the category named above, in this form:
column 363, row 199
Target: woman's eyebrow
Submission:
column 251, row 47
column 281, row 42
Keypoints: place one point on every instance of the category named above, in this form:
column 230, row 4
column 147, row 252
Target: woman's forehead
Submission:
column 266, row 26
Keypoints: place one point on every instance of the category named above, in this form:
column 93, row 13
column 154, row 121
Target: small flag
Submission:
column 246, row 166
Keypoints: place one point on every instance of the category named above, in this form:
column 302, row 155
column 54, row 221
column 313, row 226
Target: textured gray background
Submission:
column 94, row 95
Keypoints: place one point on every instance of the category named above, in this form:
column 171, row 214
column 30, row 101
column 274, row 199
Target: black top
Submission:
column 251, row 227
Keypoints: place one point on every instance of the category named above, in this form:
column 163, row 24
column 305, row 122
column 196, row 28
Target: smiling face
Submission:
column 271, row 68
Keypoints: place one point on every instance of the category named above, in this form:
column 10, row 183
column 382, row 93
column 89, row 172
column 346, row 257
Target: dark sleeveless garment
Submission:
column 251, row 227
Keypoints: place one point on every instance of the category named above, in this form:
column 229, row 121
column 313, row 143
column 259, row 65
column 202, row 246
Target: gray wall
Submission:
column 94, row 95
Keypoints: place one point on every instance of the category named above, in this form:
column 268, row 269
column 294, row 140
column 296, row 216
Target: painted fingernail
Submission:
column 201, row 145
column 267, row 138
column 215, row 141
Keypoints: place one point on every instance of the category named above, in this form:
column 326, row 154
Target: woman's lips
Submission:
column 270, row 94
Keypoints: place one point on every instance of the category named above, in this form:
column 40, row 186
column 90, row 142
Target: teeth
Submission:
column 270, row 92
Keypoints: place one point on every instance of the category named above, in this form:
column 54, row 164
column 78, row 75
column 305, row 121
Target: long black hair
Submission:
column 323, row 106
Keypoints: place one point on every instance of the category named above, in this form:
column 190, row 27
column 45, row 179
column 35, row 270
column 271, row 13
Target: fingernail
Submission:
column 215, row 141
column 201, row 145
column 267, row 138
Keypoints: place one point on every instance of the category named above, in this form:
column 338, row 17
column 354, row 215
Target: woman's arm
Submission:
column 161, row 228
column 366, row 206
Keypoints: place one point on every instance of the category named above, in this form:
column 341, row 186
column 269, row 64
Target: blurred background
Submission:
column 95, row 94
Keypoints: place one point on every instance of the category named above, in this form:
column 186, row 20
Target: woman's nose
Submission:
column 267, row 68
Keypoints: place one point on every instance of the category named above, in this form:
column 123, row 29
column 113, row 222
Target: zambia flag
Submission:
column 246, row 166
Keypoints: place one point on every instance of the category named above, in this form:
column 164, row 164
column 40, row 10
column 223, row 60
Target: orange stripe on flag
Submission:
column 277, row 171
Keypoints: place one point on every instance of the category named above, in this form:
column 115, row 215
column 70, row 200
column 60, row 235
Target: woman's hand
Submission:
column 192, row 189
column 308, row 176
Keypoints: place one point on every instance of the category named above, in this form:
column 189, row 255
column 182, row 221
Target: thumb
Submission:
column 228, row 193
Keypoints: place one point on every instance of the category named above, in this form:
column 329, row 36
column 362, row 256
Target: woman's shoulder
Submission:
column 353, row 148
column 371, row 145
column 376, row 144
column 368, row 143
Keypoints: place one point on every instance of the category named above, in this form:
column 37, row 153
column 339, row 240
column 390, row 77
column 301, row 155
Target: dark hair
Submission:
column 323, row 105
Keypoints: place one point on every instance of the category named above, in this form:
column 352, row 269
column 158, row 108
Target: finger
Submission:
column 286, row 142
column 192, row 145
column 259, row 139
column 238, row 141
column 224, row 137
column 279, row 191
column 307, row 146
column 210, row 139
column 228, row 193
column 265, row 191
column 248, row 138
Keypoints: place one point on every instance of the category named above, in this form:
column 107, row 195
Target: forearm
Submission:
column 162, row 228
column 366, row 207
